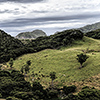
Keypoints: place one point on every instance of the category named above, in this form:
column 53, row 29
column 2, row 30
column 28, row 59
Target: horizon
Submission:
column 48, row 15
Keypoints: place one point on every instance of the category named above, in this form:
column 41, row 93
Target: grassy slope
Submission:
column 64, row 62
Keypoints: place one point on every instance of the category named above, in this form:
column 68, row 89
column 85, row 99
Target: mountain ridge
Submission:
column 31, row 35
column 90, row 27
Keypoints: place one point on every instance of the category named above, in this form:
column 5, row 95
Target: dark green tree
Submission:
column 11, row 62
column 81, row 59
column 53, row 77
column 28, row 63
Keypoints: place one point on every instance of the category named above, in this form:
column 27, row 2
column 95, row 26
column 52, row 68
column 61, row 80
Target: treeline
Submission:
column 12, row 48
column 94, row 34
column 55, row 41
column 14, row 87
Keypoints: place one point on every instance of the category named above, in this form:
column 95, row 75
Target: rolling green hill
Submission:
column 64, row 63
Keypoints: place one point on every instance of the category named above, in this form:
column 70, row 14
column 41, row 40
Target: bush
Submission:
column 89, row 94
column 69, row 89
column 0, row 95
column 37, row 86
column 17, row 76
column 4, row 73
column 24, row 95
column 52, row 94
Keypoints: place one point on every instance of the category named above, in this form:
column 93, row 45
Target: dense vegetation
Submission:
column 12, row 48
column 94, row 34
column 14, row 87
column 40, row 67
column 55, row 41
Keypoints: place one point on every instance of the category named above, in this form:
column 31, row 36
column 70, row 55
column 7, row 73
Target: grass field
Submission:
column 64, row 63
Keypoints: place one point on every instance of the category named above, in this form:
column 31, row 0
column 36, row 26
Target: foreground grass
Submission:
column 64, row 62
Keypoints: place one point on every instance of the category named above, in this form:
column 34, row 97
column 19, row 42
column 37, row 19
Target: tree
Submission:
column 53, row 77
column 28, row 63
column 11, row 62
column 81, row 59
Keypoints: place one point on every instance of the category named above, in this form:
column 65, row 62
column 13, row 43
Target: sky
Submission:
column 51, row 16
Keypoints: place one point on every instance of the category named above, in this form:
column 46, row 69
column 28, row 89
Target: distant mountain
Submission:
column 89, row 28
column 31, row 35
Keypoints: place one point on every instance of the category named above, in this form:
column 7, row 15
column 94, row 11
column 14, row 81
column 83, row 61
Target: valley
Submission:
column 56, row 53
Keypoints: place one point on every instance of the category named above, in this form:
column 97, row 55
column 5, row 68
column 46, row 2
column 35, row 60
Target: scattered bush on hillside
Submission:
column 69, row 89
column 13, row 89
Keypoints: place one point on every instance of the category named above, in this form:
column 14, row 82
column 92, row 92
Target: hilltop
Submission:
column 31, row 35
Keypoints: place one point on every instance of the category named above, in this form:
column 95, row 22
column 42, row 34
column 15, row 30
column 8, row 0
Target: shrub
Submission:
column 53, row 93
column 0, row 95
column 24, row 95
column 37, row 86
column 4, row 73
column 69, row 89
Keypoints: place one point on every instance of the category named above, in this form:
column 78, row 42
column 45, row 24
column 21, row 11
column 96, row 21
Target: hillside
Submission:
column 89, row 28
column 13, row 48
column 7, row 45
column 64, row 63
column 31, row 35
column 61, row 59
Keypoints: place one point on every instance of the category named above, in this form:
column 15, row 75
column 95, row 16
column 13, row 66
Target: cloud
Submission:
column 48, row 20
column 54, row 15
column 21, row 1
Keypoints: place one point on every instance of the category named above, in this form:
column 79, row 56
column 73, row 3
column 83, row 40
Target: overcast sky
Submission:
column 48, row 15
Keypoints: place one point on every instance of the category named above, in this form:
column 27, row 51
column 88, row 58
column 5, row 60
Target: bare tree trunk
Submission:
column 52, row 84
column 80, row 66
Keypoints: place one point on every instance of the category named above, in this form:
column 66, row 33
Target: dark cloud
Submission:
column 47, row 20
column 15, row 11
column 21, row 1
